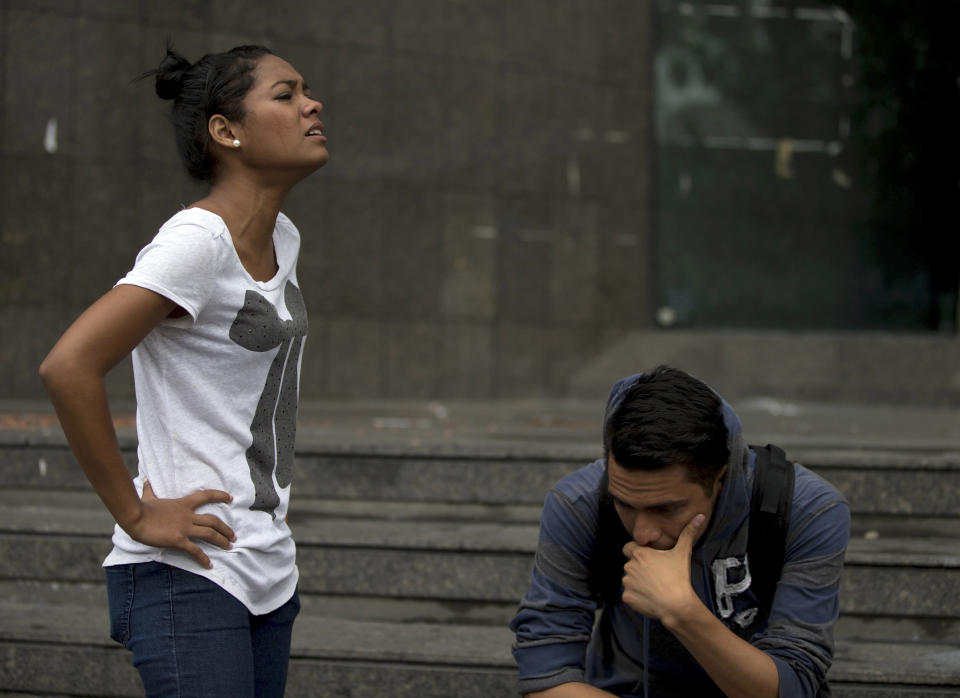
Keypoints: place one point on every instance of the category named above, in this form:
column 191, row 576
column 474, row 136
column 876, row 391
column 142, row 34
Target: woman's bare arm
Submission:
column 571, row 690
column 73, row 374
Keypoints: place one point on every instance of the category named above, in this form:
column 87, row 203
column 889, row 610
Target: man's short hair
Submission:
column 667, row 418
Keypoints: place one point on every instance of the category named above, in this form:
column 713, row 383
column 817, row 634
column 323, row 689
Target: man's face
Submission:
column 654, row 506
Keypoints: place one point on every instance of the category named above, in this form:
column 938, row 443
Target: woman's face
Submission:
column 281, row 129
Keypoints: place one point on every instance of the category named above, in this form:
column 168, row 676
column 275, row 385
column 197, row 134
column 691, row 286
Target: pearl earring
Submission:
column 236, row 143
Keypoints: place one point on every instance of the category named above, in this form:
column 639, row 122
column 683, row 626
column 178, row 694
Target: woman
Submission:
column 202, row 576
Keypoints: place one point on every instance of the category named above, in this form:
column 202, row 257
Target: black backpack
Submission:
column 770, row 503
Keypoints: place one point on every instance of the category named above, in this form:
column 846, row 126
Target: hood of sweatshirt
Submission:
column 726, row 535
column 718, row 565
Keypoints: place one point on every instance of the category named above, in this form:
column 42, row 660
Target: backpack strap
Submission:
column 770, row 505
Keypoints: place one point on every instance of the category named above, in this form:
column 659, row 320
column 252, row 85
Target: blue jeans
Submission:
column 189, row 637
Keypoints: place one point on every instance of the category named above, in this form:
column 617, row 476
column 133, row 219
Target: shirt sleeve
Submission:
column 799, row 632
column 555, row 618
column 181, row 264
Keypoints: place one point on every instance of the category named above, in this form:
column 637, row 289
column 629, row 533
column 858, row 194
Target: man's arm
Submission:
column 555, row 619
column 799, row 632
column 657, row 584
column 737, row 667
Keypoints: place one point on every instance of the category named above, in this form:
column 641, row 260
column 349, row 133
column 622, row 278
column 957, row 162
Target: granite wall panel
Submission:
column 551, row 36
column 470, row 139
column 3, row 71
column 307, row 206
column 462, row 28
column 36, row 261
column 470, row 260
column 624, row 280
column 362, row 22
column 58, row 7
column 103, row 242
column 468, row 361
column 625, row 41
column 533, row 124
column 109, row 9
column 194, row 15
column 523, row 354
column 108, row 54
column 345, row 270
column 615, row 152
column 163, row 189
column 36, row 329
column 526, row 237
column 413, row 352
column 3, row 35
column 569, row 349
column 414, row 253
column 355, row 358
column 574, row 266
column 280, row 20
column 416, row 116
column 354, row 115
column 40, row 54
column 482, row 220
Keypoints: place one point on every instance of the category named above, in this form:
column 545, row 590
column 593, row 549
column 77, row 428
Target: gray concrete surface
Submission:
column 548, row 423
column 399, row 660
column 896, row 368
column 416, row 523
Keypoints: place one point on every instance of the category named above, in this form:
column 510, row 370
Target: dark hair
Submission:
column 669, row 418
column 216, row 84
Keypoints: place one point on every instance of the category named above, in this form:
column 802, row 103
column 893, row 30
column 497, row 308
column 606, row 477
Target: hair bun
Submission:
column 170, row 74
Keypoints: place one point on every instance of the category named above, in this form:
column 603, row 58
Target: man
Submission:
column 669, row 570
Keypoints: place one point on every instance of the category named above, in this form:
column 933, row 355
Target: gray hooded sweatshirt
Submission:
column 560, row 638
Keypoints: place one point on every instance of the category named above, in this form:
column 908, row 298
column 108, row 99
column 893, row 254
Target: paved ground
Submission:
column 557, row 424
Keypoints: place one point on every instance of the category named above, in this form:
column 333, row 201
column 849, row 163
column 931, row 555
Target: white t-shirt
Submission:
column 217, row 400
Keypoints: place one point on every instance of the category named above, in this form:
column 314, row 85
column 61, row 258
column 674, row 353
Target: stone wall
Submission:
column 480, row 228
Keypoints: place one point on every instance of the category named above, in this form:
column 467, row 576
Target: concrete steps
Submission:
column 894, row 368
column 413, row 558
column 419, row 556
column 354, row 657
